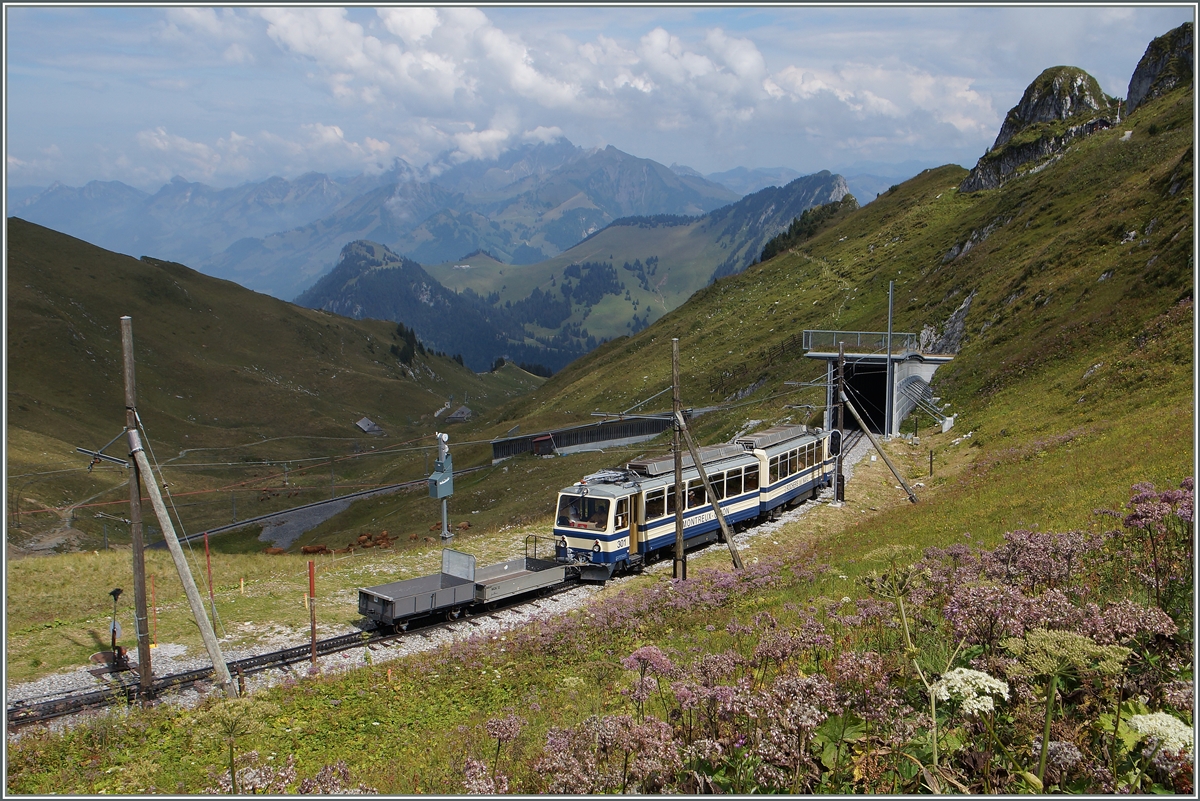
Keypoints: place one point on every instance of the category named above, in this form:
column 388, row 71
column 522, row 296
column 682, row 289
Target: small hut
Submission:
column 368, row 426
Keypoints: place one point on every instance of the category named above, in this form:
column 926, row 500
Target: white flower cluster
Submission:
column 1172, row 732
column 973, row 688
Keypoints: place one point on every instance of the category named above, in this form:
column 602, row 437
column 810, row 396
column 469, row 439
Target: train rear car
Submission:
column 395, row 604
column 795, row 463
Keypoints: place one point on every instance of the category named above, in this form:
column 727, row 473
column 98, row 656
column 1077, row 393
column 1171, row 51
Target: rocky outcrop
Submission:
column 1059, row 93
column 1166, row 64
column 1061, row 105
column 955, row 328
column 998, row 166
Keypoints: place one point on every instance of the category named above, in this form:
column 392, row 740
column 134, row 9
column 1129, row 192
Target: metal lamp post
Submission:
column 116, row 593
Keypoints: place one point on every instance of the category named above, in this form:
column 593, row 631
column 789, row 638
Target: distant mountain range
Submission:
column 615, row 282
column 279, row 236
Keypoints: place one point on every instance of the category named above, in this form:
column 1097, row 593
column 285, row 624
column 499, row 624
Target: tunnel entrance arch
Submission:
column 869, row 364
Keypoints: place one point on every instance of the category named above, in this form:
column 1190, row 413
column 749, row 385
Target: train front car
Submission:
column 592, row 524
column 795, row 463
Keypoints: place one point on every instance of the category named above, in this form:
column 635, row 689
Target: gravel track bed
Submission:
column 169, row 658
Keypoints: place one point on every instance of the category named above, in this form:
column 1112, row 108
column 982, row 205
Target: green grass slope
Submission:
column 224, row 375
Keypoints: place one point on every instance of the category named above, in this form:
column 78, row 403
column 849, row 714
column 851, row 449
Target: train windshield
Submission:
column 575, row 511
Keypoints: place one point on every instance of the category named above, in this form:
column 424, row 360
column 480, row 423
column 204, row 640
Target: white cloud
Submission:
column 351, row 88
column 199, row 155
column 740, row 55
column 486, row 144
column 203, row 20
column 238, row 54
column 665, row 55
column 413, row 25
column 543, row 134
column 892, row 92
column 190, row 27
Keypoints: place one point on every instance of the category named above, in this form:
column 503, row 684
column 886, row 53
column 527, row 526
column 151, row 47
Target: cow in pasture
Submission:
column 413, row 537
column 274, row 551
column 464, row 525
column 314, row 549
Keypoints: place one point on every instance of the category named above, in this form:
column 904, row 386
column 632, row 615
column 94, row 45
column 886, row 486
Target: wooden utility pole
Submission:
column 312, row 607
column 680, row 571
column 145, row 672
column 716, row 502
column 838, row 482
column 164, row 519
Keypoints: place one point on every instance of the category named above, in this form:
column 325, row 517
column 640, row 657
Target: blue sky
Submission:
column 228, row 95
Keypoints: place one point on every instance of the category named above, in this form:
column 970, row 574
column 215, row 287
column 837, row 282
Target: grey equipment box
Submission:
column 516, row 576
column 400, row 600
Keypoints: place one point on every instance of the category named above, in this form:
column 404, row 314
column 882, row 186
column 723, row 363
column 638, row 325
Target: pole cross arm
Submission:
column 102, row 456
column 716, row 502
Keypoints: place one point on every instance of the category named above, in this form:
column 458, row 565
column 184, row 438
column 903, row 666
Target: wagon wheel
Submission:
column 453, row 614
column 401, row 626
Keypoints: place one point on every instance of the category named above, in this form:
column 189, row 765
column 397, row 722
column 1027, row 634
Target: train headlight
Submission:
column 596, row 546
column 563, row 543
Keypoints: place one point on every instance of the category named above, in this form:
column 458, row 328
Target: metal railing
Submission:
column 861, row 341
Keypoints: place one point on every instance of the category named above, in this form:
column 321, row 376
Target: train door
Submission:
column 637, row 520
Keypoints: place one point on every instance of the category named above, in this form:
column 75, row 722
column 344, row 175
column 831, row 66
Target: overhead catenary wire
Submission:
column 320, row 461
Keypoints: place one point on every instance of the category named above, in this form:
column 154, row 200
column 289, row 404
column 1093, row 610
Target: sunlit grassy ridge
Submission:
column 227, row 378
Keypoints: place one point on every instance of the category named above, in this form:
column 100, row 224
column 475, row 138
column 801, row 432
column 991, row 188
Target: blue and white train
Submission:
column 617, row 521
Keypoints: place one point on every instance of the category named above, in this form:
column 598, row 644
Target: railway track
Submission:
column 851, row 440
column 126, row 688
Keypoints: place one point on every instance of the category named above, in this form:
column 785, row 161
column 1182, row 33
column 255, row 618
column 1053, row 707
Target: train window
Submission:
column 810, row 455
column 695, row 494
column 751, row 482
column 733, row 482
column 583, row 512
column 656, row 503
column 774, row 466
column 671, row 499
column 622, row 513
column 718, row 485
column 793, row 462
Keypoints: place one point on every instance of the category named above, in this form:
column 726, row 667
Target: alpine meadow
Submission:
column 1025, row 627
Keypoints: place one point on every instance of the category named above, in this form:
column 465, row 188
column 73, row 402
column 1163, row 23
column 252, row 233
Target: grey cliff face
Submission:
column 1057, row 94
column 1167, row 63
